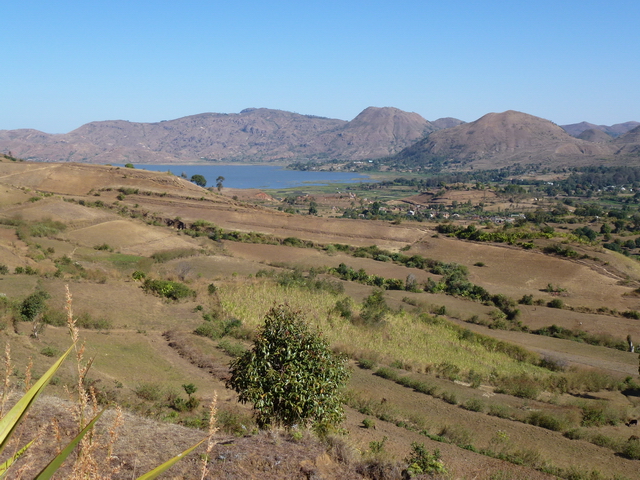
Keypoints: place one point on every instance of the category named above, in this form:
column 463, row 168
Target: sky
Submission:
column 67, row 63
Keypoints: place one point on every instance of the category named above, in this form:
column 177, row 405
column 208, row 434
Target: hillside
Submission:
column 253, row 135
column 575, row 129
column 497, row 403
column 595, row 135
column 500, row 139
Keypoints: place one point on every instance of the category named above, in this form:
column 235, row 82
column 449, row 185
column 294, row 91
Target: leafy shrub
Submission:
column 631, row 449
column 545, row 420
column 218, row 329
column 33, row 305
column 368, row 423
column 138, row 275
column 4, row 270
column 366, row 363
column 149, row 391
column 575, row 434
column 50, row 352
column 555, row 303
column 234, row 423
column 605, row 442
column 449, row 397
column 598, row 415
column 500, row 411
column 168, row 289
column 233, row 349
column 520, row 386
column 387, row 373
column 474, row 405
column 344, row 308
column 421, row 462
column 526, row 300
column 374, row 309
column 85, row 320
column 290, row 375
column 456, row 434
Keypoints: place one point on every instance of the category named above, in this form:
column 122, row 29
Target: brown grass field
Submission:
column 105, row 244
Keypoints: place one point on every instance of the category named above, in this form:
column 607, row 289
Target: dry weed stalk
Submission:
column 6, row 385
column 213, row 429
column 85, row 408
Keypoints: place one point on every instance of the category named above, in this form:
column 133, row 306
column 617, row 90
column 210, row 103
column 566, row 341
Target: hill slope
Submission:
column 575, row 129
column 500, row 139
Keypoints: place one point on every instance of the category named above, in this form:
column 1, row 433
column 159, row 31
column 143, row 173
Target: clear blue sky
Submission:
column 66, row 63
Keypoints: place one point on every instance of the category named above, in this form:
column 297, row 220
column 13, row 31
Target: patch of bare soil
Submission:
column 81, row 179
column 71, row 214
column 123, row 303
column 308, row 258
column 568, row 352
column 307, row 227
column 480, row 429
column 130, row 237
column 516, row 272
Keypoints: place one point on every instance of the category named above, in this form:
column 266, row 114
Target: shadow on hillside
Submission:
column 586, row 396
column 631, row 392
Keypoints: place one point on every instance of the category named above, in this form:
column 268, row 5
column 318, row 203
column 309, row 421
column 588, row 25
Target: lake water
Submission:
column 258, row 176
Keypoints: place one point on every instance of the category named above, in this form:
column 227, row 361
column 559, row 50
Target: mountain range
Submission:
column 258, row 135
column 501, row 139
column 253, row 135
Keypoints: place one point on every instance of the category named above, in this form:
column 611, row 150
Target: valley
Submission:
column 443, row 324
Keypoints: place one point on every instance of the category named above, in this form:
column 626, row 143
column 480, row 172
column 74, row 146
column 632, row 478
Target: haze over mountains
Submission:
column 266, row 135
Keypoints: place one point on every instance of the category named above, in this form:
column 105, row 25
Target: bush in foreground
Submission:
column 290, row 375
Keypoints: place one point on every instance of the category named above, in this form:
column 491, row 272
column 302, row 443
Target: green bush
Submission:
column 344, row 308
column 290, row 375
column 233, row 349
column 500, row 411
column 168, row 289
column 631, row 449
column 368, row 423
column 474, row 405
column 366, row 363
column 149, row 391
column 546, row 420
column 520, row 386
column 138, row 275
column 85, row 320
column 33, row 305
column 421, row 462
column 555, row 303
column 449, row 397
column 4, row 270
column 50, row 352
column 387, row 373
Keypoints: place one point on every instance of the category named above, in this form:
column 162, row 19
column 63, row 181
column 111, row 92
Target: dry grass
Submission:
column 403, row 337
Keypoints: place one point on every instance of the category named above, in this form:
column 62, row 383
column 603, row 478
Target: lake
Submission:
column 258, row 176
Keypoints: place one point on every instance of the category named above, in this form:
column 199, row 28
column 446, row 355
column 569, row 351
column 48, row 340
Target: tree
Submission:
column 219, row 181
column 290, row 374
column 199, row 180
column 31, row 308
column 313, row 208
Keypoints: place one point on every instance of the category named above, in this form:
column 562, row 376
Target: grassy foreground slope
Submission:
column 420, row 371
